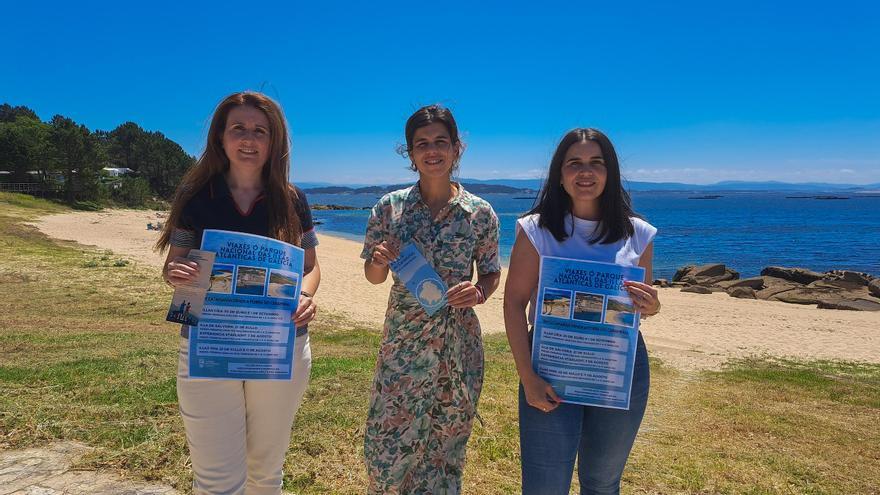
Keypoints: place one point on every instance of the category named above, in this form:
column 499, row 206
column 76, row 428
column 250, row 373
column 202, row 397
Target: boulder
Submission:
column 697, row 289
column 705, row 275
column 804, row 295
column 773, row 286
column 681, row 272
column 707, row 281
column 756, row 283
column 774, row 281
column 874, row 287
column 661, row 282
column 849, row 276
column 850, row 304
column 836, row 284
column 799, row 275
column 711, row 270
column 742, row 292
column 768, row 292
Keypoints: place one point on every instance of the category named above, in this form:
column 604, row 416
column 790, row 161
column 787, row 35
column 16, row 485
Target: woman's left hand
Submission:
column 305, row 312
column 463, row 295
column 644, row 297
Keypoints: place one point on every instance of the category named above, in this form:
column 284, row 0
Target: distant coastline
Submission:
column 475, row 188
column 530, row 187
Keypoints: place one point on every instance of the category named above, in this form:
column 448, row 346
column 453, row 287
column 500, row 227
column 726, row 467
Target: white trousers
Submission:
column 238, row 432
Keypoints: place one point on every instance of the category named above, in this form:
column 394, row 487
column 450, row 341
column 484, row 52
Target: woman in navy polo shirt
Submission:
column 238, row 431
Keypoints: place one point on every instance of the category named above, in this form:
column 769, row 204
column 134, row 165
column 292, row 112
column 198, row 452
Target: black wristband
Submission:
column 306, row 293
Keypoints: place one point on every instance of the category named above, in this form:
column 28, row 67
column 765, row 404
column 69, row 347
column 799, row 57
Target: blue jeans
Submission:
column 600, row 438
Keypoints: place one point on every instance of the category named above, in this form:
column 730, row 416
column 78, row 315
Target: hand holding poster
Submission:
column 422, row 281
column 586, row 331
column 246, row 332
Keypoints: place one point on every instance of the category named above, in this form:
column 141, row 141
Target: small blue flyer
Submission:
column 422, row 281
column 586, row 331
column 245, row 331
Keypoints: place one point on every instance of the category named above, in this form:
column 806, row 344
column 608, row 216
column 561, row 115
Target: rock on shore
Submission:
column 835, row 289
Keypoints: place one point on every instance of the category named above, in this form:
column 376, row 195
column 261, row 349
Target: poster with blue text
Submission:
column 586, row 331
column 246, row 331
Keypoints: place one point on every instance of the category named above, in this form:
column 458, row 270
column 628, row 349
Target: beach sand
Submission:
column 693, row 331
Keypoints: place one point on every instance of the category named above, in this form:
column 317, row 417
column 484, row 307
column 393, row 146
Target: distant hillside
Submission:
column 748, row 186
column 472, row 187
column 531, row 187
column 536, row 184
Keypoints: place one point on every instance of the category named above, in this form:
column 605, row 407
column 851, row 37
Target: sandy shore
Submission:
column 693, row 330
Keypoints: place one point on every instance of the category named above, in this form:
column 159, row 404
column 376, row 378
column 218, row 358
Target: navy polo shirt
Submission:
column 214, row 208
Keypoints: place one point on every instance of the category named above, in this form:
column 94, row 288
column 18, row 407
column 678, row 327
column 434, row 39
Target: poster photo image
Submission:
column 282, row 283
column 221, row 279
column 557, row 303
column 250, row 281
column 588, row 307
column 620, row 311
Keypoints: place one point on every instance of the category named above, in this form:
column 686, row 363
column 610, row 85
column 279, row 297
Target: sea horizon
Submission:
column 746, row 231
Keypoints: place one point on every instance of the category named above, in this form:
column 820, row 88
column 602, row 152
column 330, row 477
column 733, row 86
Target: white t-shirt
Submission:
column 625, row 251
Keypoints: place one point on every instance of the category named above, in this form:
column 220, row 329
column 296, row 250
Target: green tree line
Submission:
column 66, row 158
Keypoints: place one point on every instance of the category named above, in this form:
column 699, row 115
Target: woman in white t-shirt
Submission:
column 583, row 212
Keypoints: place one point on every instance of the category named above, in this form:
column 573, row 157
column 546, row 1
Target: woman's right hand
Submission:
column 539, row 393
column 385, row 253
column 181, row 271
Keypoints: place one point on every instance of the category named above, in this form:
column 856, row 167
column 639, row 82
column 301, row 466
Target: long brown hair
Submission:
column 279, row 194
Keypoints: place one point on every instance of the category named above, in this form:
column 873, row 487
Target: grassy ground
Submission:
column 85, row 355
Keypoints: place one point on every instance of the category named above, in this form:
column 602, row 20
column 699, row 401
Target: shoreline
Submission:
column 694, row 331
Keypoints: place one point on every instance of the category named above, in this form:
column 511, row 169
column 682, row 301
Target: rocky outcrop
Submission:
column 662, row 282
column 697, row 289
column 857, row 278
column 773, row 286
column 850, row 304
column 803, row 295
column 705, row 275
column 755, row 283
column 742, row 292
column 836, row 289
column 338, row 207
column 798, row 275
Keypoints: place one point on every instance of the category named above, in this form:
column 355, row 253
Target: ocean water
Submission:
column 746, row 231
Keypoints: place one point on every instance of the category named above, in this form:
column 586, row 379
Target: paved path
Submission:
column 47, row 471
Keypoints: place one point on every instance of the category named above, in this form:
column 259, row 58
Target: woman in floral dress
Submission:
column 429, row 371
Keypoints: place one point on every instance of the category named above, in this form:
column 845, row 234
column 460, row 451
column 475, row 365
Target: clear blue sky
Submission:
column 696, row 92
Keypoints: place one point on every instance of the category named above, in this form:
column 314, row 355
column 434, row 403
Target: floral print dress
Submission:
column 429, row 371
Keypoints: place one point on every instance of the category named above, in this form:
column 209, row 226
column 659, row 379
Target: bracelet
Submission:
column 305, row 293
column 481, row 293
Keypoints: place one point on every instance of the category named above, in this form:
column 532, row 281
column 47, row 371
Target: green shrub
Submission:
column 131, row 191
column 87, row 206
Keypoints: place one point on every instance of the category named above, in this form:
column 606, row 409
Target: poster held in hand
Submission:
column 246, row 331
column 586, row 331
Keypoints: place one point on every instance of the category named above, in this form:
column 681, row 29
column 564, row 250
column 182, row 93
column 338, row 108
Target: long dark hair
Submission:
column 615, row 206
column 284, row 224
column 425, row 116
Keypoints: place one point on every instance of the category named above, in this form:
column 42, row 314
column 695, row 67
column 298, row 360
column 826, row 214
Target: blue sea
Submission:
column 747, row 231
